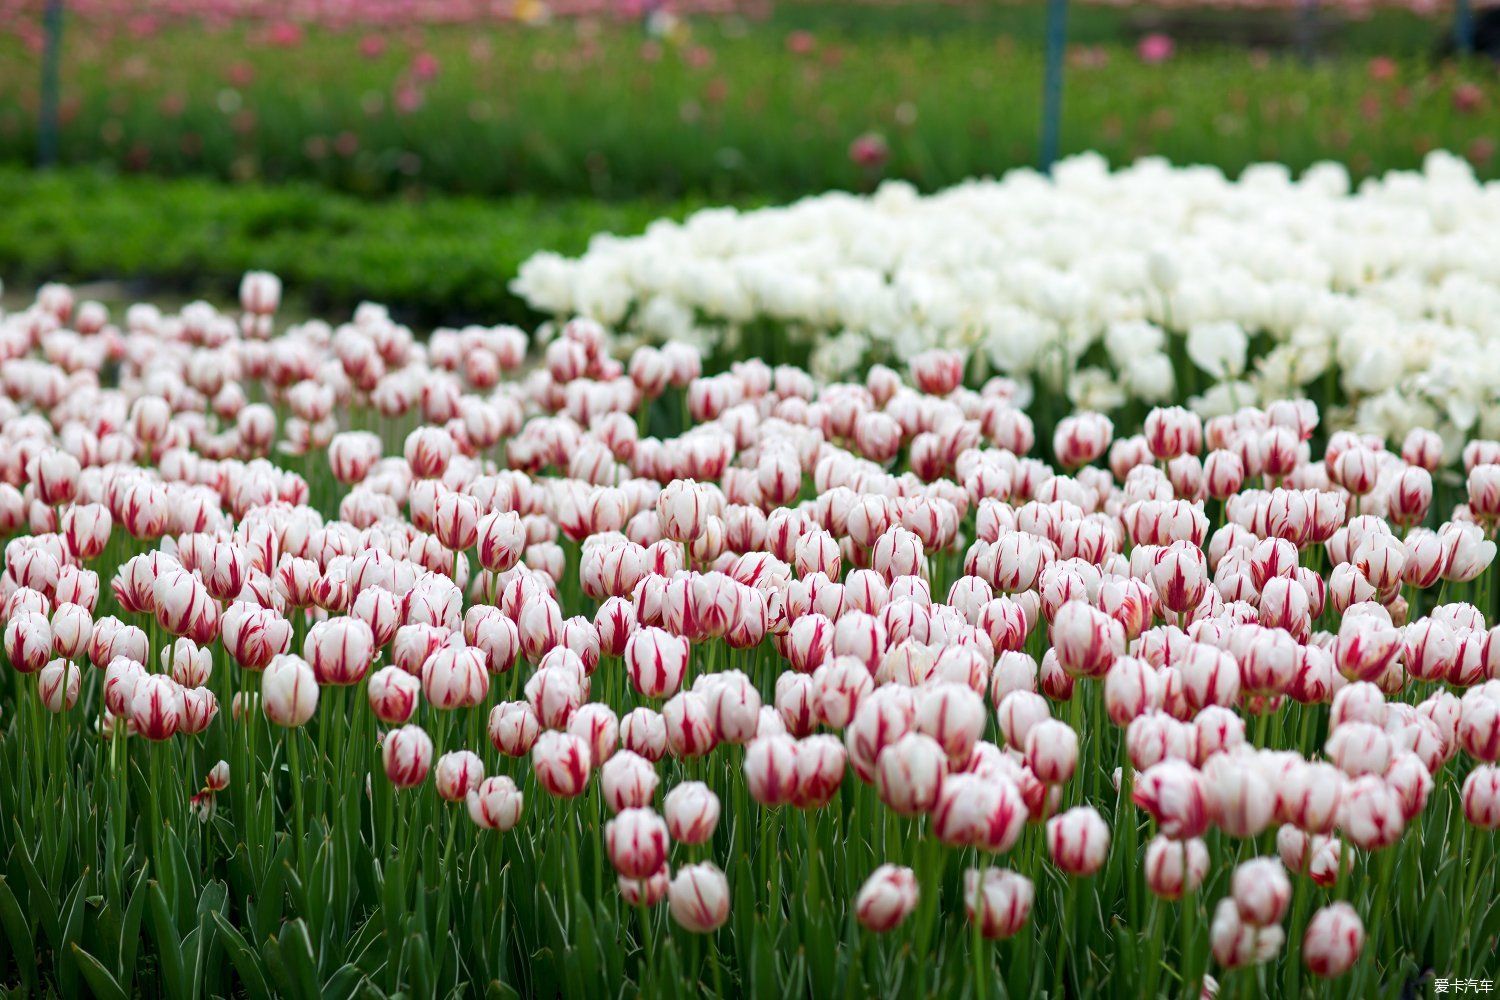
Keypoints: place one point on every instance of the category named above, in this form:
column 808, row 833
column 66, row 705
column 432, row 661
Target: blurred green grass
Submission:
column 731, row 108
column 433, row 260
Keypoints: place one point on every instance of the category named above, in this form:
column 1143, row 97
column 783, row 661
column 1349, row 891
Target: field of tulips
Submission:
column 818, row 97
column 340, row 662
column 1102, row 290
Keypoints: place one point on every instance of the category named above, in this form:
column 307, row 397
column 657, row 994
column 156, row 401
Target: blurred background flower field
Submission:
column 579, row 117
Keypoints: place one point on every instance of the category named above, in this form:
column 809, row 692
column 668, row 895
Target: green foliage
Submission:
column 731, row 108
column 434, row 260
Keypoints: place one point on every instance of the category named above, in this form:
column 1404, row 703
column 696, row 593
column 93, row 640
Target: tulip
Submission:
column 771, row 770
column 909, row 774
column 455, row 676
column 156, row 707
column 1078, row 841
column 253, row 636
column 596, row 723
column 393, row 695
column 628, row 781
column 289, row 691
column 1175, row 868
column 495, row 803
column 984, row 812
column 886, row 899
column 953, row 715
column 562, row 763
column 689, row 725
column 821, row 761
column 57, row 684
column 1370, row 814
column 1051, row 750
column 457, row 774
column 644, row 732
column 339, row 650
column 406, row 753
column 656, row 661
column 513, row 727
column 683, row 509
column 699, row 897
column 998, row 900
column 1261, row 891
column 1173, row 793
column 636, row 840
column 1334, row 938
column 1481, row 797
column 28, row 641
column 692, row 813
column 1236, row 943
column 646, row 891
column 1019, row 712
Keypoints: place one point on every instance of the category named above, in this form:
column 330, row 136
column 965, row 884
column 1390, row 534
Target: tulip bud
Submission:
column 495, row 804
column 1175, row 868
column 28, row 641
column 886, row 899
column 457, row 774
column 156, row 707
column 656, row 661
column 57, row 684
column 628, row 781
column 1052, row 751
column 987, row 812
column 1173, row 793
column 636, row 840
column 289, row 691
column 1078, row 840
column 699, row 897
column 644, row 732
column 1481, row 797
column 1236, row 943
column 562, row 763
column 689, row 725
column 909, row 774
column 406, row 753
column 692, row 812
column 998, row 900
column 1261, row 891
column 393, row 695
column 1335, row 936
column 647, row 891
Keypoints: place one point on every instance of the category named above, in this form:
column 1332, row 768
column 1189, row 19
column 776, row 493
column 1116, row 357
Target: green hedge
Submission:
column 435, row 260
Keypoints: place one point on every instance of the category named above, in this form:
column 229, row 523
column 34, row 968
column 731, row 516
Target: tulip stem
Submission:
column 294, row 760
column 648, row 973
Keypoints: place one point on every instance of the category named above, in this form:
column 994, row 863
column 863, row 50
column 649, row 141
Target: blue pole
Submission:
column 1463, row 27
column 52, row 24
column 1052, row 83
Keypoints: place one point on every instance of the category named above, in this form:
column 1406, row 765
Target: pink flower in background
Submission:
column 1382, row 68
column 285, row 34
column 1155, row 48
column 1467, row 98
column 424, row 66
column 800, row 43
column 869, row 151
column 372, row 46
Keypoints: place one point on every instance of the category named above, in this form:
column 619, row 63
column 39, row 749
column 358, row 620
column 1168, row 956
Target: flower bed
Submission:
column 1114, row 289
column 341, row 662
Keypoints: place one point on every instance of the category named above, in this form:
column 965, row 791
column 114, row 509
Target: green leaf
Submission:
column 102, row 982
column 39, row 900
column 247, row 962
column 297, row 957
column 130, row 929
column 168, row 944
column 18, row 933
